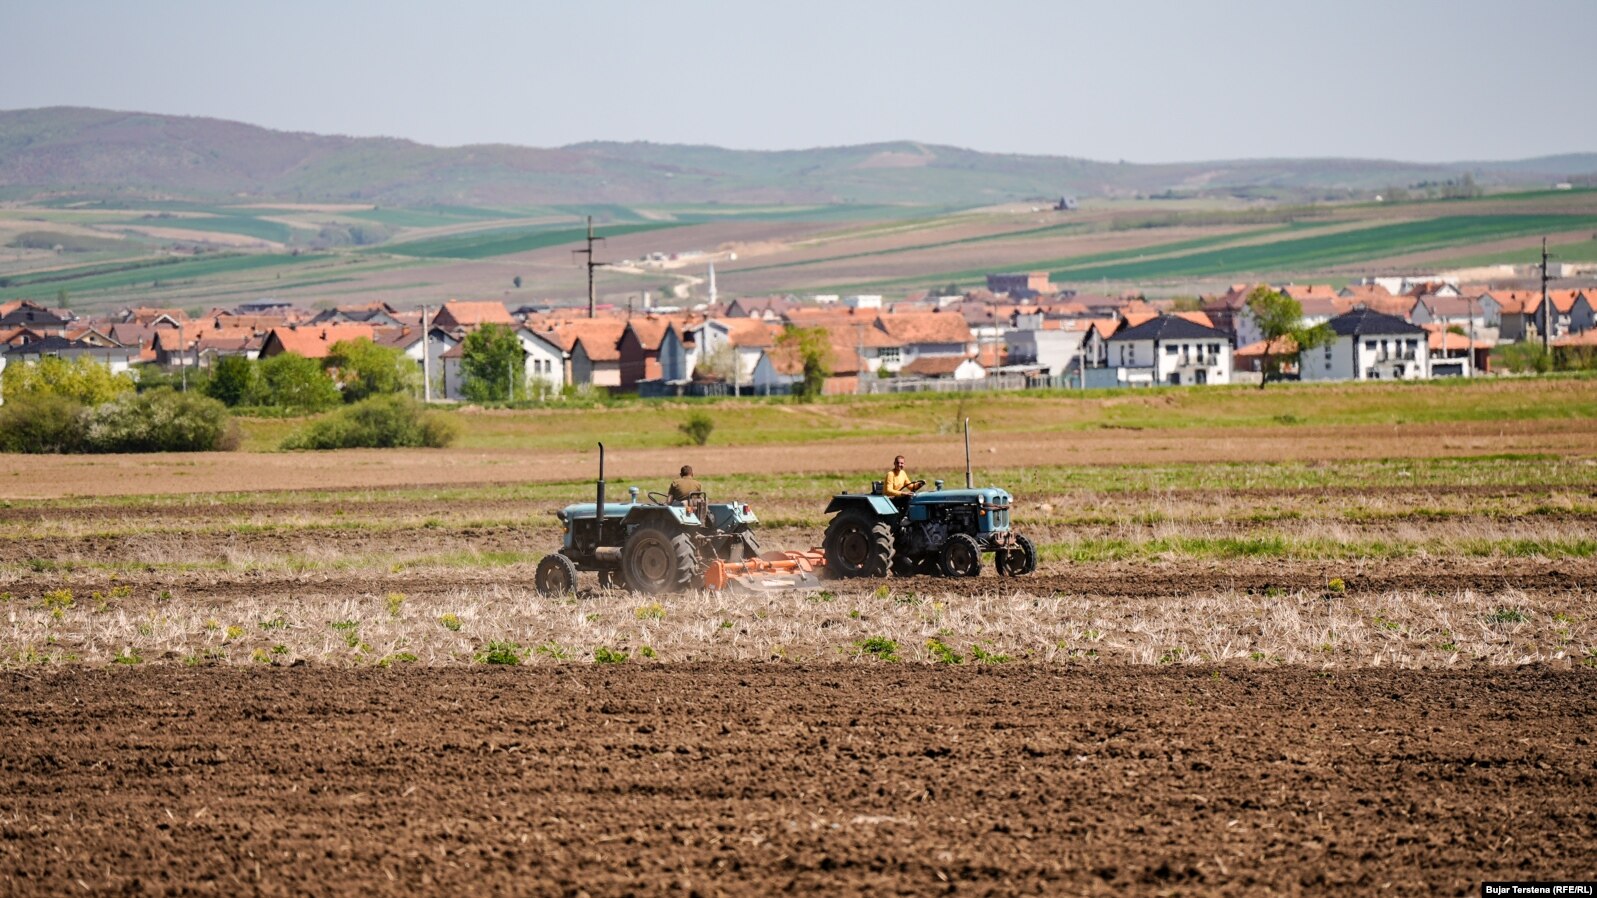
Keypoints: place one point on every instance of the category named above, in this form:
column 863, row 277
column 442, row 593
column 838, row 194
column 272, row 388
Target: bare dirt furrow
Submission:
column 760, row 779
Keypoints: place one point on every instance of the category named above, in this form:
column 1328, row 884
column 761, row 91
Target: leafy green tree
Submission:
column 295, row 382
column 366, row 369
column 814, row 348
column 1280, row 319
column 490, row 356
column 82, row 380
column 234, row 381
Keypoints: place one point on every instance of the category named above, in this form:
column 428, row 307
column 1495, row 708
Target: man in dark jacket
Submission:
column 684, row 486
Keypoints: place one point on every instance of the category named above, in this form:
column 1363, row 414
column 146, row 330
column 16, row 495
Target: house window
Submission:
column 1328, row 353
column 1370, row 345
column 1170, row 349
column 889, row 355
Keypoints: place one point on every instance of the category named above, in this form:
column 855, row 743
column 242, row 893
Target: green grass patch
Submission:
column 504, row 242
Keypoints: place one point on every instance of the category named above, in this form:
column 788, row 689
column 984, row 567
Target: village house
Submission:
column 377, row 314
column 1165, row 350
column 924, row 335
column 545, row 361
column 728, row 349
column 457, row 314
column 34, row 317
column 591, row 348
column 1370, row 346
column 1055, row 346
column 1454, row 354
column 1436, row 308
column 1526, row 319
column 639, row 350
column 310, row 341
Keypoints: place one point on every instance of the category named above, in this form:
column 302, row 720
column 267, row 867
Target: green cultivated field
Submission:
column 487, row 244
column 1309, row 253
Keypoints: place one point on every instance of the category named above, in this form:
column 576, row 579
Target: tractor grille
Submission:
column 999, row 518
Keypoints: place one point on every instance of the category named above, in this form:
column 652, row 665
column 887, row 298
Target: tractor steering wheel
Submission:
column 659, row 498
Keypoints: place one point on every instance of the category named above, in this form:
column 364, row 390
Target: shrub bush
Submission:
column 41, row 423
column 697, row 428
column 82, row 380
column 382, row 422
column 159, row 421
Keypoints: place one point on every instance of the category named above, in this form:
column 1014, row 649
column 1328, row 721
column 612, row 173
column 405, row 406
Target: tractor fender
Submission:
column 671, row 518
column 881, row 506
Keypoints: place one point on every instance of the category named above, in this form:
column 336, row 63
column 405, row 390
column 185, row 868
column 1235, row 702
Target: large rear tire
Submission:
column 858, row 545
column 557, row 575
column 1017, row 560
column 654, row 561
column 961, row 556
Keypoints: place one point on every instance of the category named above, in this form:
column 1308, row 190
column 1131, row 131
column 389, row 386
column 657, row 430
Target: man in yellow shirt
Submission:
column 898, row 483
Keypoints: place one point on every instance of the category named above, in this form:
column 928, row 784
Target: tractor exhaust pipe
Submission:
column 967, row 454
column 598, row 533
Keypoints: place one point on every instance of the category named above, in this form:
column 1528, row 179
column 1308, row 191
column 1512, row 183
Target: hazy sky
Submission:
column 1136, row 80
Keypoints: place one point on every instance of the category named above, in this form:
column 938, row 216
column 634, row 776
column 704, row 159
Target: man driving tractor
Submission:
column 684, row 486
column 898, row 483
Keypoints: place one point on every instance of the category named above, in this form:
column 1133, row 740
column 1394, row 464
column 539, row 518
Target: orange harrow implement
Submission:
column 769, row 572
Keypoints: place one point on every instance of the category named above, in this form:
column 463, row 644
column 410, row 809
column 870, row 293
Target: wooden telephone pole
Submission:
column 590, row 263
column 1547, row 311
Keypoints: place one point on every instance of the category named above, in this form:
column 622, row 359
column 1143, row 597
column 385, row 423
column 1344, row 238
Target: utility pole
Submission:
column 1469, row 352
column 590, row 263
column 1547, row 310
column 426, row 358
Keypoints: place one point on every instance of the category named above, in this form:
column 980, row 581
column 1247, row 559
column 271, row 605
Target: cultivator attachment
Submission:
column 769, row 572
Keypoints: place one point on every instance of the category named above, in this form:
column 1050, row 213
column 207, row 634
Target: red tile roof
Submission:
column 1196, row 318
column 312, row 342
column 926, row 327
column 456, row 313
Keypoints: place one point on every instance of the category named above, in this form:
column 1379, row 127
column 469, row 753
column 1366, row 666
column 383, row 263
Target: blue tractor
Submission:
column 940, row 531
column 661, row 547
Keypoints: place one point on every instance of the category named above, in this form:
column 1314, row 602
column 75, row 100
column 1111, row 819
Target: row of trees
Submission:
column 54, row 405
column 352, row 371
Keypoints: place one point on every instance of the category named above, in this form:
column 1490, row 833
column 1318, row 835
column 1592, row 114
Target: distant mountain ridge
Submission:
column 94, row 153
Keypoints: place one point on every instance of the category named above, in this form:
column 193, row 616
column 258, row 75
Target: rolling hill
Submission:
column 65, row 152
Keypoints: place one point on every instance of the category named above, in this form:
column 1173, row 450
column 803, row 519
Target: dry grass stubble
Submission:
column 1410, row 629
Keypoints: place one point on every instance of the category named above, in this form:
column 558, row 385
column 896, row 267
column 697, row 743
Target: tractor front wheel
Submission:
column 961, row 556
column 654, row 561
column 556, row 575
column 1017, row 560
column 858, row 546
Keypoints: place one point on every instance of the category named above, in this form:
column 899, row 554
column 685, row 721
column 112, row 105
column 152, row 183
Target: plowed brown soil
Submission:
column 762, row 779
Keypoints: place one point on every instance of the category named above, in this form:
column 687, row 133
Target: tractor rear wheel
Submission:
column 961, row 556
column 556, row 576
column 654, row 561
column 1017, row 560
column 858, row 545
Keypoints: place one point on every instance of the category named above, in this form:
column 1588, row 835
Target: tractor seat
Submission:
column 699, row 503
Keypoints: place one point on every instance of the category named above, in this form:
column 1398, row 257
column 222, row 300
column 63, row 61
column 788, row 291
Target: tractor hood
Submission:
column 987, row 495
column 584, row 510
